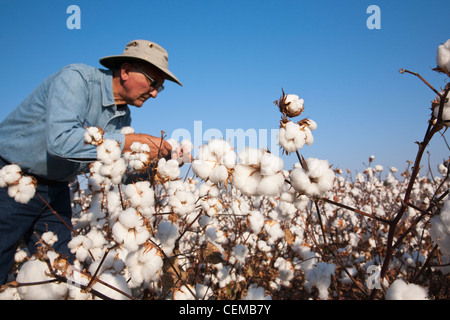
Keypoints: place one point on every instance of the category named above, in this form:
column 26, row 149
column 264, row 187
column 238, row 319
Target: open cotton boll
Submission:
column 240, row 252
column 256, row 293
column 290, row 105
column 35, row 271
column 168, row 169
column 144, row 266
column 291, row 137
column 315, row 181
column 285, row 271
column 167, row 235
column 129, row 230
column 109, row 151
column 250, row 156
column 80, row 246
column 182, row 202
column 10, row 174
column 49, row 238
column 246, row 179
column 400, row 290
column 294, row 105
column 271, row 185
column 443, row 56
column 140, row 195
column 271, row 164
column 117, row 281
column 256, row 221
column 127, row 130
column 445, row 111
column 320, row 277
column 440, row 229
column 202, row 168
column 93, row 135
column 219, row 174
column 24, row 190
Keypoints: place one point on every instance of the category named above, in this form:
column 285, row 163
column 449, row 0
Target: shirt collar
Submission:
column 107, row 88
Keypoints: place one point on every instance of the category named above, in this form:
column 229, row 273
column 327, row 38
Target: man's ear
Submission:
column 125, row 70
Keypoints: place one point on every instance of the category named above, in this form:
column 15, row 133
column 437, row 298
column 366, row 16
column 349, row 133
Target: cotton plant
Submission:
column 243, row 225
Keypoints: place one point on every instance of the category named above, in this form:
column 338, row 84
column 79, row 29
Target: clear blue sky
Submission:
column 234, row 57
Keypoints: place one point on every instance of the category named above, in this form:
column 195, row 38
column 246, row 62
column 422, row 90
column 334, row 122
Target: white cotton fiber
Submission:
column 443, row 56
column 36, row 271
column 400, row 290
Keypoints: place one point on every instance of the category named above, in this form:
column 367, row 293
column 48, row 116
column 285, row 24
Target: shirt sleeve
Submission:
column 67, row 102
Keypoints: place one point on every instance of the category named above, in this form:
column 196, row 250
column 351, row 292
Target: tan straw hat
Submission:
column 145, row 51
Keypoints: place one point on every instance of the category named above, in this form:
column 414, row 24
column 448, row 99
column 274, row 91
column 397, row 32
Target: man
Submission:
column 44, row 136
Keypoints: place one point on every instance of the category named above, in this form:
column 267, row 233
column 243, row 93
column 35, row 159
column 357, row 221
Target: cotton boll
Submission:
column 202, row 168
column 240, row 252
column 129, row 230
column 440, row 229
column 49, row 238
column 256, row 221
column 144, row 266
column 271, row 185
column 109, row 151
column 219, row 174
column 292, row 137
column 246, row 179
column 80, row 246
column 10, row 174
column 294, row 105
column 116, row 281
column 315, row 181
column 256, row 293
column 285, row 271
column 251, row 156
column 183, row 293
column 445, row 111
column 443, row 56
column 24, row 191
column 168, row 169
column 93, row 135
column 319, row 277
column 271, row 164
column 400, row 290
column 167, row 235
column 140, row 195
column 127, row 130
column 35, row 271
column 290, row 105
column 213, row 160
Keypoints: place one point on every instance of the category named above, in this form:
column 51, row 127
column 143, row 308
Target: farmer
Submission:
column 44, row 136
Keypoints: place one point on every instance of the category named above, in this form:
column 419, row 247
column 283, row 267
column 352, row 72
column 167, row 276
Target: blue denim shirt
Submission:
column 44, row 134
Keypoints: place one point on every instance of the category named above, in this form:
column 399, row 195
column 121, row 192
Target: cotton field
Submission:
column 241, row 225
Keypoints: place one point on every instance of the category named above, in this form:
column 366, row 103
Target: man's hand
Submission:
column 159, row 148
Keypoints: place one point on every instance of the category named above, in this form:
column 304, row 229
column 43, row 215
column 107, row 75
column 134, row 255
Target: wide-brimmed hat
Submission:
column 144, row 51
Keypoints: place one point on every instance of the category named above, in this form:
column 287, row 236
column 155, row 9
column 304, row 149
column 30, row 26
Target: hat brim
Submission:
column 111, row 61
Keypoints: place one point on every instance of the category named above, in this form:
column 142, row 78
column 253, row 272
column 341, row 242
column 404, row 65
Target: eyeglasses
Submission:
column 152, row 83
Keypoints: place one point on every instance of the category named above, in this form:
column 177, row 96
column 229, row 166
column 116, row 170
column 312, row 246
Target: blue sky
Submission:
column 234, row 57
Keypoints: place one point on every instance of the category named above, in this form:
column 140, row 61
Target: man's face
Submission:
column 140, row 82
